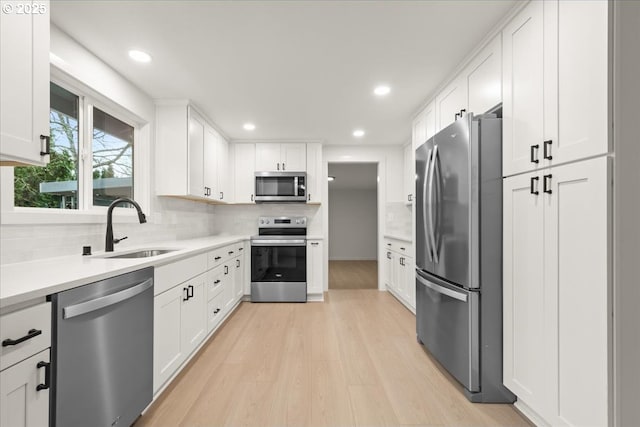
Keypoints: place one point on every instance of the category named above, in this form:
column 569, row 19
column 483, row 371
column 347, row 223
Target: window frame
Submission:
column 86, row 212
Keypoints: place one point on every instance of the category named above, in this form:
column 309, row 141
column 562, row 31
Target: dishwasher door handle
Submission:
column 105, row 301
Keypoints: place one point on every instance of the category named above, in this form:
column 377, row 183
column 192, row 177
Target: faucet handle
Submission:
column 115, row 241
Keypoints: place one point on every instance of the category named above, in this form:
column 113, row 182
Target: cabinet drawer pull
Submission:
column 547, row 154
column 241, row 249
column 230, row 252
column 314, row 243
column 216, row 282
column 533, row 185
column 545, row 188
column 47, row 145
column 216, row 311
column 30, row 334
column 218, row 258
column 402, row 249
column 47, row 375
column 533, row 153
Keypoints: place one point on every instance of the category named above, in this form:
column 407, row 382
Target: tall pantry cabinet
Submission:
column 556, row 220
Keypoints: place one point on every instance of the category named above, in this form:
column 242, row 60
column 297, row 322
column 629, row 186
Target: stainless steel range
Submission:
column 279, row 260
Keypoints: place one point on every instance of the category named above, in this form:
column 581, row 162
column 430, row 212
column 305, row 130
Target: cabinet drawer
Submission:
column 217, row 256
column 403, row 248
column 215, row 281
column 215, row 311
column 167, row 276
column 20, row 324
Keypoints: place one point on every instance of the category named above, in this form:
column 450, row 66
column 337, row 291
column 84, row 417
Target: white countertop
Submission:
column 403, row 238
column 25, row 281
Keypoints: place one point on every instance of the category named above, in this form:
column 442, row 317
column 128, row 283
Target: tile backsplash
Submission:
column 171, row 220
column 398, row 220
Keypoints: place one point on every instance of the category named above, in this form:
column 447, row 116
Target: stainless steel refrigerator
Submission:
column 459, row 253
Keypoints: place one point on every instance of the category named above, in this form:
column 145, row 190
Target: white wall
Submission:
column 353, row 224
column 31, row 234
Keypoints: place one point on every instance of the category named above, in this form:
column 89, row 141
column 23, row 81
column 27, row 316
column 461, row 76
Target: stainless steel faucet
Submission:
column 109, row 241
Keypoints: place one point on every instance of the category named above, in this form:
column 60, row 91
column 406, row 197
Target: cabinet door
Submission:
column 525, row 372
column 268, row 157
column 314, row 173
column 210, row 163
column 582, row 72
column 294, row 157
column 222, row 156
column 484, row 78
column 21, row 404
column 315, row 279
column 450, row 101
column 24, row 84
column 228, row 290
column 523, row 91
column 196, row 150
column 409, row 174
column 577, row 290
column 168, row 352
column 238, row 278
column 410, row 281
column 193, row 313
column 244, row 172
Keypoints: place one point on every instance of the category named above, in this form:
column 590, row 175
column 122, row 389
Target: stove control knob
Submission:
column 267, row 222
column 261, row 221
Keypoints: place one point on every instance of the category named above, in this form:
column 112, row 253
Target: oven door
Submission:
column 278, row 270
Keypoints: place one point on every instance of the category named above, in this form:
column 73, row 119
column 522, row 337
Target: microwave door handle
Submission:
column 432, row 233
column 425, row 204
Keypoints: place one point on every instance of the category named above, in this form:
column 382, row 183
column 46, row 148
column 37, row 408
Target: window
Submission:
column 79, row 130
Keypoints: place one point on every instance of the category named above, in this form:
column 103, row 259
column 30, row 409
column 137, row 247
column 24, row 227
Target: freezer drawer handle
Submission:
column 102, row 302
column 442, row 290
column 47, row 375
column 32, row 333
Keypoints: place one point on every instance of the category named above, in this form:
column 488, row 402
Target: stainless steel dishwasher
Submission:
column 102, row 351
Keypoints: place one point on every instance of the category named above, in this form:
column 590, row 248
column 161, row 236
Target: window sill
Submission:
column 35, row 216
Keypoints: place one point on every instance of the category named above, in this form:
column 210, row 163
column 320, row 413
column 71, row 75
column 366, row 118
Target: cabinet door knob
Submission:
column 547, row 146
column 533, row 153
column 546, row 188
column 533, row 185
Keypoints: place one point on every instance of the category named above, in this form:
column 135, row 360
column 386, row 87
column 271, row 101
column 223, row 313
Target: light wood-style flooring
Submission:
column 353, row 274
column 350, row 361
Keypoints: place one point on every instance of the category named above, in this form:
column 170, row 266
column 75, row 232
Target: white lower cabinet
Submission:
column 24, row 402
column 192, row 313
column 315, row 277
column 399, row 273
column 557, row 304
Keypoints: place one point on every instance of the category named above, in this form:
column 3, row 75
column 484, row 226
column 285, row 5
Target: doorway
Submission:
column 353, row 225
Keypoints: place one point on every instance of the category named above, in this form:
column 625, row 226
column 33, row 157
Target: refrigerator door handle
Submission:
column 460, row 296
column 437, row 235
column 424, row 204
column 432, row 235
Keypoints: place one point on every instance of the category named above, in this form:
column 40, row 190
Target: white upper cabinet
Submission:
column 450, row 102
column 523, row 87
column 191, row 156
column 409, row 174
column 24, row 84
column 314, row 172
column 484, row 78
column 281, row 157
column 555, row 83
column 244, row 171
column 424, row 125
column 583, row 77
column 197, row 154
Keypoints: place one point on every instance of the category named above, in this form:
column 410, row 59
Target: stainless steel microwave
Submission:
column 281, row 187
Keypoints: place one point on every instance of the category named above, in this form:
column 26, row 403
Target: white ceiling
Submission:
column 353, row 176
column 299, row 70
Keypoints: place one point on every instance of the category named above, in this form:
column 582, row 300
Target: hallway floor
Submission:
column 353, row 274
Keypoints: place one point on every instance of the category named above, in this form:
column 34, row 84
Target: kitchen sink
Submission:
column 143, row 253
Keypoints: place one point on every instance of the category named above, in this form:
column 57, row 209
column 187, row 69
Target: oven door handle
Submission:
column 277, row 242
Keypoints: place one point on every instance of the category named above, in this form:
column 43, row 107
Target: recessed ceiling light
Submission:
column 382, row 90
column 249, row 126
column 358, row 133
column 331, row 178
column 140, row 56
